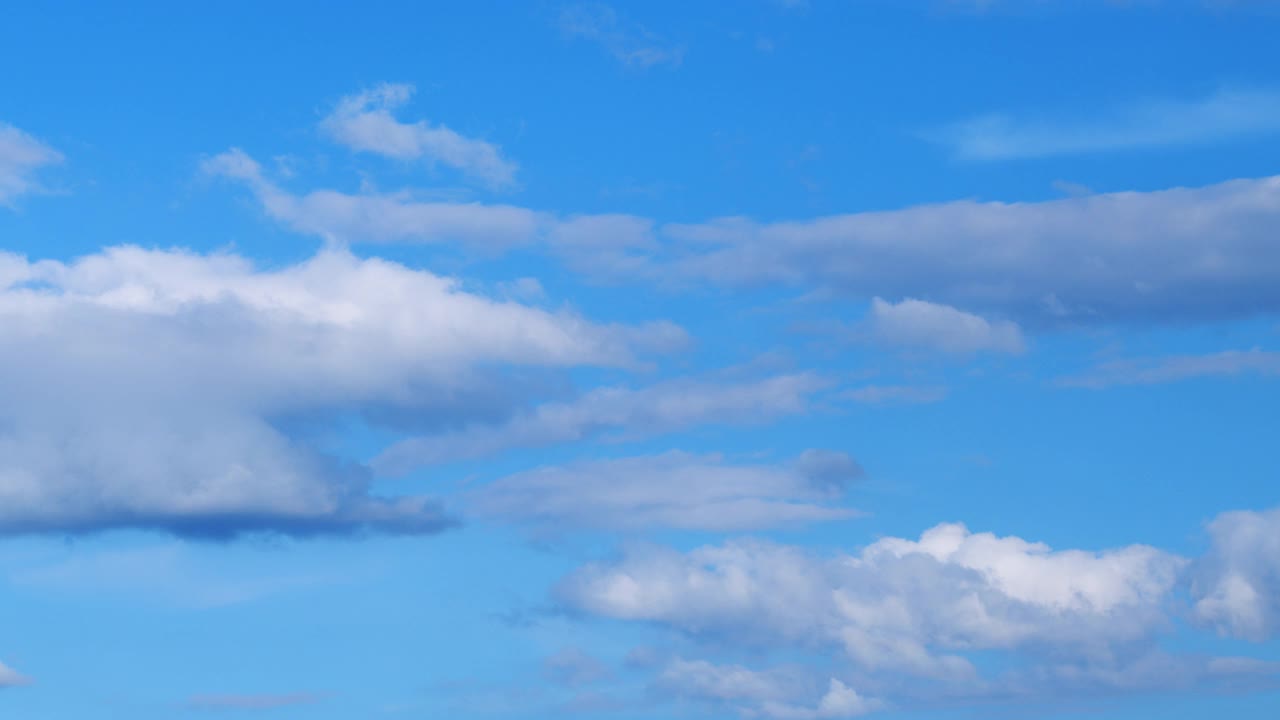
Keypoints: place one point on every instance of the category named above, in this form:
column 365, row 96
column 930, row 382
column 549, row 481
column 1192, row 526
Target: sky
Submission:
column 774, row 360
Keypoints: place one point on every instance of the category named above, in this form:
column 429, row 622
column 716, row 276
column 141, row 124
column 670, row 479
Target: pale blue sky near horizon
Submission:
column 779, row 359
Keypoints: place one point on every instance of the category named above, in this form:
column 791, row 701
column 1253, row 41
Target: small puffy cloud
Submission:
column 657, row 409
column 917, row 324
column 673, row 490
column 155, row 389
column 21, row 155
column 1224, row 115
column 250, row 702
column 1176, row 368
column 365, row 123
column 1237, row 584
column 12, row 678
column 631, row 44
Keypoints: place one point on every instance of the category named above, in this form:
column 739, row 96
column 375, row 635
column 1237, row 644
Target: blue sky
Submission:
column 785, row 360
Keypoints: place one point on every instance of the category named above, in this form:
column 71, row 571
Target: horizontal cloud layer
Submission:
column 674, row 490
column 1167, row 256
column 661, row 408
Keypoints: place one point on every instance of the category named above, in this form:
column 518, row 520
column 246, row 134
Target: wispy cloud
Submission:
column 1224, row 115
column 1173, row 368
column 631, row 44
column 674, row 490
column 364, row 122
column 21, row 155
column 250, row 702
column 897, row 394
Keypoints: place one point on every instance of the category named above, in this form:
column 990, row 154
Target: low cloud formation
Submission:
column 155, row 389
column 365, row 123
column 909, row 619
column 674, row 490
column 920, row 325
column 21, row 156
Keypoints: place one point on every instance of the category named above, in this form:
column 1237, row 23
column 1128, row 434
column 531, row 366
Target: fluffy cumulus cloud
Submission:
column 905, row 616
column 21, row 155
column 164, row 389
column 661, row 408
column 1237, row 585
column 921, row 325
column 674, row 490
column 364, row 122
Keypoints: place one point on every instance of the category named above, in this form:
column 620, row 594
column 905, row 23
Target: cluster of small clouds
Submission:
column 962, row 276
column 906, row 616
column 629, row 43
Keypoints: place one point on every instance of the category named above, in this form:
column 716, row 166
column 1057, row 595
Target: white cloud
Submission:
column 1224, row 115
column 1175, row 368
column 900, row 608
column 364, row 122
column 630, row 44
column 21, row 155
column 658, row 409
column 12, row 678
column 152, row 388
column 917, row 324
column 673, row 490
column 1237, row 585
